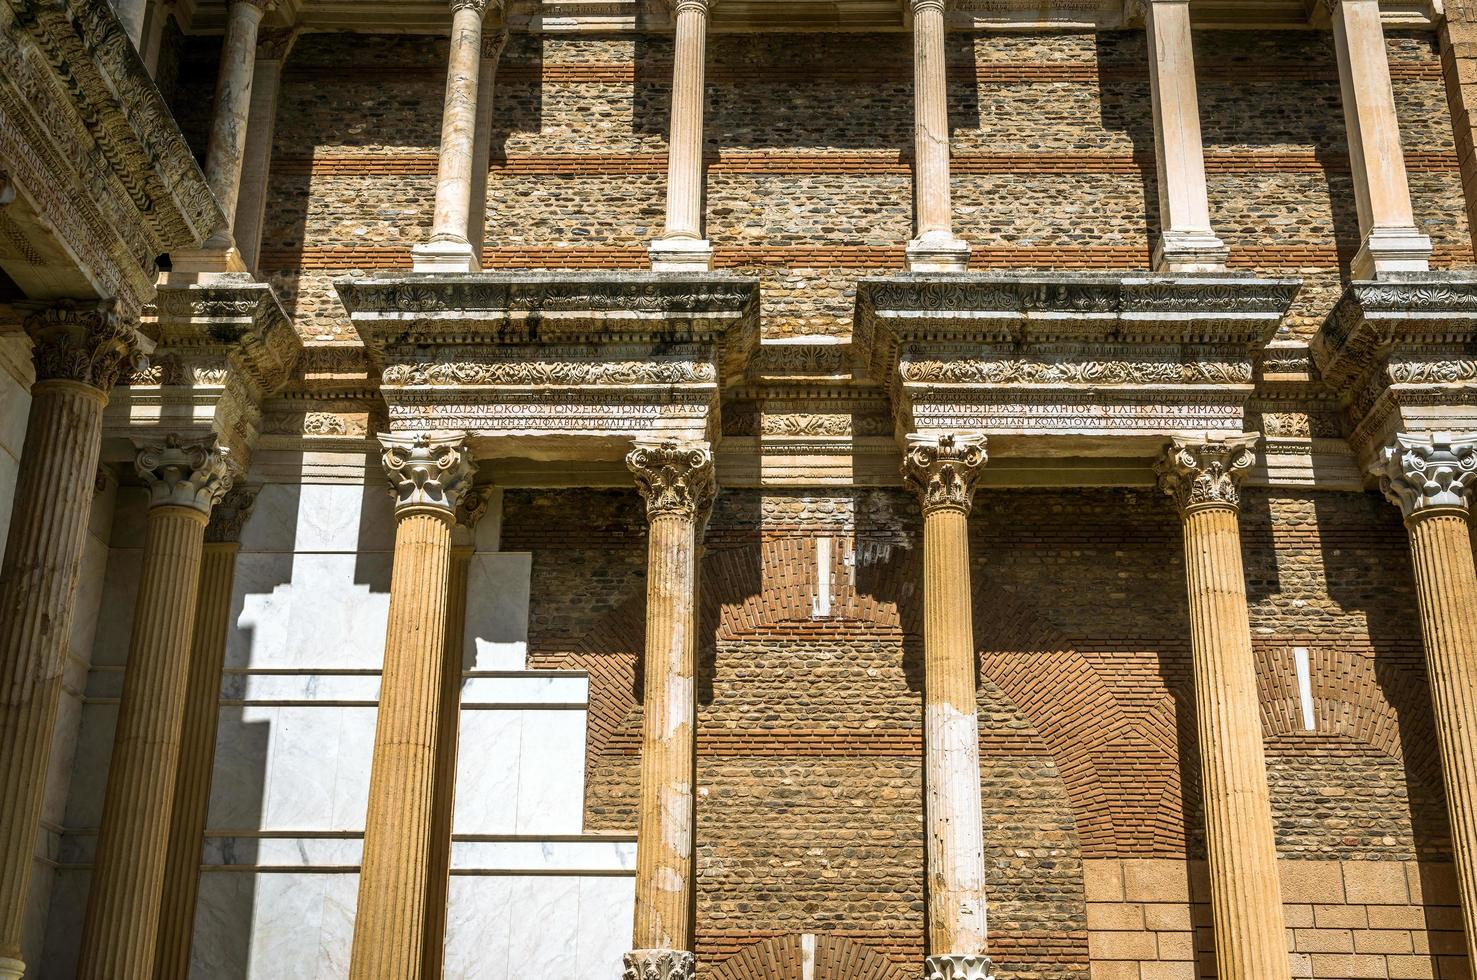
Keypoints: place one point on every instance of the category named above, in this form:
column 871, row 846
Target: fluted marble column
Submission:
column 272, row 49
column 449, row 250
column 1187, row 243
column 120, row 935
column 428, row 474
column 198, row 731
column 1391, row 241
column 1430, row 478
column 942, row 472
column 936, row 249
column 1203, row 476
column 78, row 352
column 677, row 482
column 682, row 247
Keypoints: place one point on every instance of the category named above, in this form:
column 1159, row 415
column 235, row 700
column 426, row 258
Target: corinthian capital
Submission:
column 943, row 470
column 1425, row 473
column 73, row 342
column 428, row 471
column 957, row 966
column 674, row 478
column 659, row 964
column 1206, row 472
column 195, row 475
column 480, row 6
column 230, row 515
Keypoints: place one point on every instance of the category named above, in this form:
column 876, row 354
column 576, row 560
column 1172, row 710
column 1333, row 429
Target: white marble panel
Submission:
column 551, row 773
column 304, row 686
column 478, row 918
column 351, row 767
column 9, row 471
column 238, row 787
column 488, row 753
column 319, row 769
column 607, row 907
column 286, row 921
column 544, row 931
column 283, row 852
column 497, row 610
column 591, row 854
column 328, row 614
column 64, row 924
column 488, row 535
column 63, row 755
column 526, row 688
column 38, row 904
column 90, row 765
column 325, row 517
column 115, row 610
column 336, row 928
column 15, row 399
column 87, row 601
column 130, row 518
column 221, row 947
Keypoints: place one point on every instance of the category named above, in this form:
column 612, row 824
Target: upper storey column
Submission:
column 1430, row 478
column 1187, row 243
column 676, row 481
column 942, row 472
column 1204, row 477
column 935, row 249
column 1390, row 240
column 682, row 247
column 429, row 474
column 78, row 353
column 272, row 49
column 449, row 249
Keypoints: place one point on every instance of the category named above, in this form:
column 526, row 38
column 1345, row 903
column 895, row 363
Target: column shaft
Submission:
column 1381, row 187
column 956, row 843
column 1245, row 896
column 1187, row 243
column 43, row 556
column 458, row 127
column 685, row 151
column 444, row 798
column 668, row 767
column 931, row 120
column 492, row 49
column 196, row 760
column 389, row 930
column 256, row 162
column 1446, row 587
column 123, row 906
column 225, row 154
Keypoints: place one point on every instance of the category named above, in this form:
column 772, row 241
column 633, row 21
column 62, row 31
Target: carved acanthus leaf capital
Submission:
column 231, row 514
column 276, row 43
column 674, row 478
column 493, row 43
column 428, row 471
column 659, row 964
column 180, row 474
column 1207, row 471
column 701, row 6
column 76, row 342
column 957, row 966
column 480, row 6
column 1421, row 474
column 943, row 470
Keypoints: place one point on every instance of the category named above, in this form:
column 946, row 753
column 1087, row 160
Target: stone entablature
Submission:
column 222, row 348
column 1401, row 354
column 1069, row 364
column 103, row 181
column 570, row 365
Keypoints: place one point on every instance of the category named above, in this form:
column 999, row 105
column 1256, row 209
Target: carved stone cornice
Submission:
column 1206, row 472
column 659, row 964
column 230, row 515
column 942, row 470
column 957, row 966
column 675, row 479
column 1424, row 474
column 180, row 474
column 88, row 343
column 108, row 181
column 428, row 472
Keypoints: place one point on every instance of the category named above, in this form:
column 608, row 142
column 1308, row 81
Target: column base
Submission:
column 1181, row 251
column 217, row 256
column 11, row 969
column 1392, row 250
column 660, row 964
column 938, row 252
column 957, row 966
column 681, row 255
column 446, row 257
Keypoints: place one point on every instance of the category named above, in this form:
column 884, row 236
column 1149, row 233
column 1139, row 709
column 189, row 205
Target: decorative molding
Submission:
column 80, row 342
column 943, row 470
column 659, row 964
column 957, row 966
column 1422, row 474
column 230, row 515
column 675, row 479
column 428, row 471
column 195, row 475
column 1206, row 472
